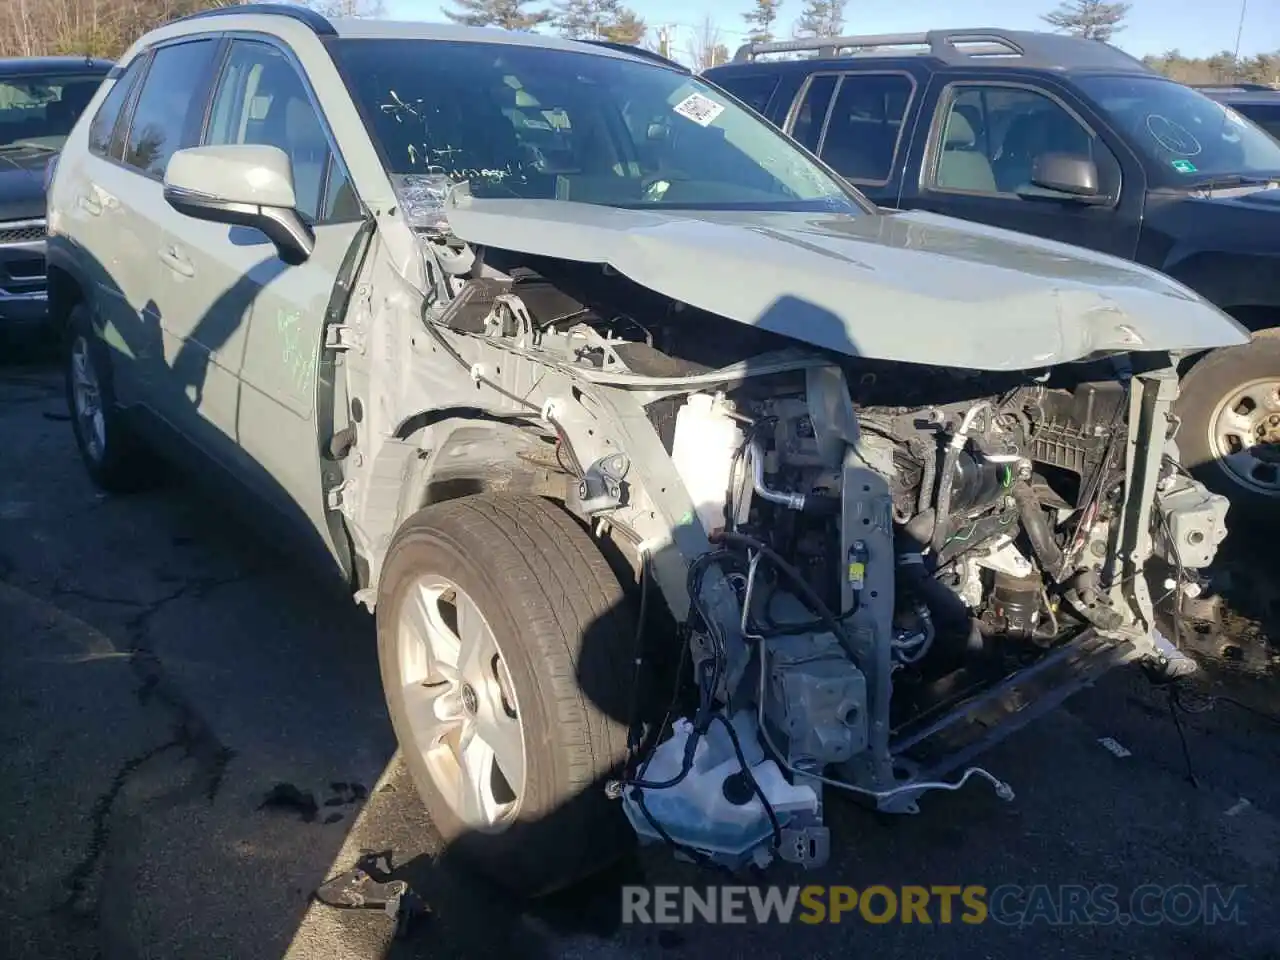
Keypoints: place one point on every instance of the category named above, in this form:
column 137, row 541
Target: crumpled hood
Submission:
column 911, row 287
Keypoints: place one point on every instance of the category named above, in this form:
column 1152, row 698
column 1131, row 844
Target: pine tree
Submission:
column 599, row 20
column 1091, row 19
column 627, row 27
column 507, row 14
column 821, row 18
column 760, row 20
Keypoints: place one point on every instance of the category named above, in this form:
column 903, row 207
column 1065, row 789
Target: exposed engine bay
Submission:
column 899, row 564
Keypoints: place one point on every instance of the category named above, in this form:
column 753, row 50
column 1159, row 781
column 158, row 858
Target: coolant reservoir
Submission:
column 706, row 439
column 700, row 811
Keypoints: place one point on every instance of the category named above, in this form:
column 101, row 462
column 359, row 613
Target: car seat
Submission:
column 962, row 167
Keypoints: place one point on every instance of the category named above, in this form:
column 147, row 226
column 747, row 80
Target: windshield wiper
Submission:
column 1231, row 180
column 24, row 145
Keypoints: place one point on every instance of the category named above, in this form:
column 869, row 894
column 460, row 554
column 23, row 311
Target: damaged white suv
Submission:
column 685, row 484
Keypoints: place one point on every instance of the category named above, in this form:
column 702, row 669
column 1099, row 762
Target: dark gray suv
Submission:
column 40, row 100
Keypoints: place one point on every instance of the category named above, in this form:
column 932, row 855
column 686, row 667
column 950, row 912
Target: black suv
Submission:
column 40, row 100
column 1076, row 141
column 1258, row 102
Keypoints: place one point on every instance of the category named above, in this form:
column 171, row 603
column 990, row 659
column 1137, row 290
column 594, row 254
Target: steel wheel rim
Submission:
column 86, row 395
column 460, row 704
column 1244, row 435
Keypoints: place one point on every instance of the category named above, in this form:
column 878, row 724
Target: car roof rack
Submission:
column 304, row 15
column 963, row 46
column 638, row 52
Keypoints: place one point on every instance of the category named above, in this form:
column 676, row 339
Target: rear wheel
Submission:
column 504, row 640
column 111, row 453
column 1229, row 438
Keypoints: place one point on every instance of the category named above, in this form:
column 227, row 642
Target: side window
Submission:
column 865, row 125
column 261, row 100
column 108, row 116
column 807, row 127
column 170, row 106
column 992, row 136
column 753, row 90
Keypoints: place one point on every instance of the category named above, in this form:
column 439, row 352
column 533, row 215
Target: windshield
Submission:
column 537, row 123
column 39, row 112
column 1184, row 136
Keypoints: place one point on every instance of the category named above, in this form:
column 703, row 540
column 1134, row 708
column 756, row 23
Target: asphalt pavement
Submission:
column 194, row 739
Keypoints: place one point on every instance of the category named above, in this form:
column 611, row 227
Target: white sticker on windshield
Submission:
column 701, row 110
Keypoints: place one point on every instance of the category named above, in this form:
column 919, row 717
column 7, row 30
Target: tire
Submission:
column 112, row 455
column 558, row 618
column 1250, row 374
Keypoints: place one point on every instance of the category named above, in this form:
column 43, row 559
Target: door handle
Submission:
column 89, row 205
column 176, row 261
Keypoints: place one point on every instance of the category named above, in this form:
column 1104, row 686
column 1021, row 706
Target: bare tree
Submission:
column 342, row 9
column 706, row 47
column 93, row 27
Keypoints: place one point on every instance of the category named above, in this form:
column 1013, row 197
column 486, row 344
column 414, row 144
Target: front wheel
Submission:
column 1229, row 405
column 504, row 642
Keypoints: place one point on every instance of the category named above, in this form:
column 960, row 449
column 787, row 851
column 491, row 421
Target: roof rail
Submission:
column 304, row 15
column 1029, row 47
column 638, row 52
column 1238, row 87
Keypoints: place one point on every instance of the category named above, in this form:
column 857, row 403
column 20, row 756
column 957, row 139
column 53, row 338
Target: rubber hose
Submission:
column 1038, row 530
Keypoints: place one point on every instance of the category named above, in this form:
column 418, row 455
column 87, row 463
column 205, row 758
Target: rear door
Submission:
column 256, row 344
column 859, row 123
column 109, row 239
column 984, row 136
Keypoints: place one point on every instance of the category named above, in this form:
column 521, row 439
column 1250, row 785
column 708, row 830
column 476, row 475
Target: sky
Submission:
column 1153, row 26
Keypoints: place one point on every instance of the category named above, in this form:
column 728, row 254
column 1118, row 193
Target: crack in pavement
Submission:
column 191, row 733
column 77, row 879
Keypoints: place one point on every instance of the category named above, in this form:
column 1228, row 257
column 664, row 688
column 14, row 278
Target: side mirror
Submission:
column 246, row 185
column 1064, row 176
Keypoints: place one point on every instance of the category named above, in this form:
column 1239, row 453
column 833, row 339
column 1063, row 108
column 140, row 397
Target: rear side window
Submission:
column 864, row 127
column 753, row 90
column 812, row 113
column 1265, row 115
column 108, row 115
column 171, row 105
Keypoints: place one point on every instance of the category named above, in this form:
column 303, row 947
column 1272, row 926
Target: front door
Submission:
column 255, row 349
column 977, row 160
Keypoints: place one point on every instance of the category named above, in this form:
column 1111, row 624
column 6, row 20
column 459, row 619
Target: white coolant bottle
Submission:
column 701, row 811
column 706, row 439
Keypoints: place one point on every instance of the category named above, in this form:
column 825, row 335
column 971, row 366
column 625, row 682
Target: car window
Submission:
column 261, row 99
column 812, row 112
column 38, row 112
column 546, row 123
column 1265, row 115
column 991, row 137
column 865, row 125
column 170, row 106
column 105, row 121
column 1183, row 135
column 753, row 90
